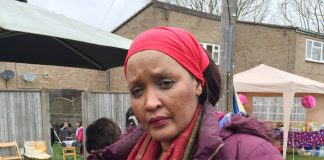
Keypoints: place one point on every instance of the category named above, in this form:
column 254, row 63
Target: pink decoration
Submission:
column 243, row 98
column 308, row 102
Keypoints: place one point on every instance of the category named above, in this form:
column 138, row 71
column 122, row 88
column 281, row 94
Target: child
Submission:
column 79, row 135
column 277, row 144
column 101, row 133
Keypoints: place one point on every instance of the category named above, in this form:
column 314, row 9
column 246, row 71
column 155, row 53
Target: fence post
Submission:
column 73, row 108
column 45, row 118
column 87, row 114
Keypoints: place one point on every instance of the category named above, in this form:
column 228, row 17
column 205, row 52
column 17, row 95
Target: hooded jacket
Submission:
column 240, row 139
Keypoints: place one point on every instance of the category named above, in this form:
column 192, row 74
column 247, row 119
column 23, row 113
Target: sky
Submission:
column 108, row 14
column 104, row 14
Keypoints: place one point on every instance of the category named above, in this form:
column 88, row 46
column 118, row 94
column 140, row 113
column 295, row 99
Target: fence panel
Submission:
column 105, row 104
column 22, row 117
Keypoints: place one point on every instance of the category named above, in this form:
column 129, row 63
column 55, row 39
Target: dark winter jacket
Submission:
column 240, row 139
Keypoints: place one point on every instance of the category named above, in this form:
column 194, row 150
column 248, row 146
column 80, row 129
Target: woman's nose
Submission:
column 152, row 100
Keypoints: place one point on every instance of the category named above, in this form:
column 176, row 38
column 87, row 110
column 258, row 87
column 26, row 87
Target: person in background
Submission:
column 66, row 133
column 173, row 86
column 131, row 120
column 79, row 136
column 101, row 133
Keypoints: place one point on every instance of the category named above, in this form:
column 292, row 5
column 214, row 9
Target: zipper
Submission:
column 216, row 151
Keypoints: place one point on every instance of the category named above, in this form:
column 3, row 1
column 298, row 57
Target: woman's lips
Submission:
column 158, row 121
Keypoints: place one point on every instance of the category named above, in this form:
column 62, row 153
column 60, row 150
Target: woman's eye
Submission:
column 166, row 83
column 137, row 92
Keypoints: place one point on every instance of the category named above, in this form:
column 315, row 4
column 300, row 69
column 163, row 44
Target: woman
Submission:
column 173, row 87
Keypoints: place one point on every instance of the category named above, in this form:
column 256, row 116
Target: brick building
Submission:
column 281, row 47
column 286, row 48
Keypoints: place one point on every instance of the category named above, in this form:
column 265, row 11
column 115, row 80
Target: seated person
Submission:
column 101, row 133
column 66, row 132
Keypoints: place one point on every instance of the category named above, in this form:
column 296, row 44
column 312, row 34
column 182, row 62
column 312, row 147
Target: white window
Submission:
column 314, row 51
column 213, row 50
column 271, row 109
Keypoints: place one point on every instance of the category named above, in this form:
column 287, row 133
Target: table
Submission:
column 305, row 139
column 70, row 143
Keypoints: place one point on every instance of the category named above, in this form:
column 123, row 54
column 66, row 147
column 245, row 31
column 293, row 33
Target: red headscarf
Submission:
column 175, row 42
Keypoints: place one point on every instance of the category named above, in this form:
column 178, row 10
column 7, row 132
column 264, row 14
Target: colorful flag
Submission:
column 237, row 105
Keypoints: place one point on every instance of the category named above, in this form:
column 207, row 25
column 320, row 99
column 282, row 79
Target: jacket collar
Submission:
column 209, row 140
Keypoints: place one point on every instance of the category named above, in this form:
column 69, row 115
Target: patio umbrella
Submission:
column 29, row 34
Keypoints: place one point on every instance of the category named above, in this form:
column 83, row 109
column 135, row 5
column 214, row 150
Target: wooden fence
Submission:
column 113, row 105
column 104, row 104
column 24, row 116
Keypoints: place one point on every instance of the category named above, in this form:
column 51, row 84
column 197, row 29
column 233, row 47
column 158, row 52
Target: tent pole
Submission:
column 288, row 96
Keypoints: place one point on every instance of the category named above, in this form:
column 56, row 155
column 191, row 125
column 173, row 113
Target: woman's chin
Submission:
column 162, row 135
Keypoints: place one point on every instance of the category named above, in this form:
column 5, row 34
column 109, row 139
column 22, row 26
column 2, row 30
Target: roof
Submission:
column 263, row 78
column 168, row 6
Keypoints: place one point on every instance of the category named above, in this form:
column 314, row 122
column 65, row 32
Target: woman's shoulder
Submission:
column 246, row 146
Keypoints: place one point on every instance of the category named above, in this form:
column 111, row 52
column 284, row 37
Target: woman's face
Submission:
column 164, row 96
column 66, row 125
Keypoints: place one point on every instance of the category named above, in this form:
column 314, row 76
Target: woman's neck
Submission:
column 161, row 155
column 165, row 146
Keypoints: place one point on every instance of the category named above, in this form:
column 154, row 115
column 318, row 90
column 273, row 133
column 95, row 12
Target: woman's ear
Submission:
column 198, row 89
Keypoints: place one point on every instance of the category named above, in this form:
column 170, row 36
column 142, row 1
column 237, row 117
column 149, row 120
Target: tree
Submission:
column 252, row 10
column 248, row 10
column 208, row 6
column 306, row 14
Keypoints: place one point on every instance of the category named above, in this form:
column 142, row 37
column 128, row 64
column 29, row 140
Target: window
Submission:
column 314, row 51
column 213, row 50
column 271, row 109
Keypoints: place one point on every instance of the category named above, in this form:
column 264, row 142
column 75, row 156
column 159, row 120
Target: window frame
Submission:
column 264, row 112
column 204, row 45
column 311, row 50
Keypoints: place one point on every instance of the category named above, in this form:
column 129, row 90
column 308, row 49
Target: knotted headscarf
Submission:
column 179, row 44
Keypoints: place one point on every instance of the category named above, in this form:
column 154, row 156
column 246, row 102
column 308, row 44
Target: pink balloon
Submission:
column 242, row 98
column 308, row 102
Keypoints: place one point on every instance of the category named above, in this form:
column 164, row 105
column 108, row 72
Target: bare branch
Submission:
column 307, row 14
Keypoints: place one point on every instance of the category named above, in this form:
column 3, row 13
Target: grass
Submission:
column 298, row 157
column 57, row 153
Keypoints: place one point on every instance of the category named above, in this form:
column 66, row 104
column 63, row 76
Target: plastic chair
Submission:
column 36, row 150
column 12, row 144
column 69, row 151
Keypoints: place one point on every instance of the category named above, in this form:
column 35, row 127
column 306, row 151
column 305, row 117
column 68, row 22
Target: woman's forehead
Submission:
column 151, row 57
column 151, row 61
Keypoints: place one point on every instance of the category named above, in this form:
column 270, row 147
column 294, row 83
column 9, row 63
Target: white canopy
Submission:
column 263, row 78
column 18, row 16
column 29, row 34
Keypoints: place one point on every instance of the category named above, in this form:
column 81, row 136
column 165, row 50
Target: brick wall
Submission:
column 58, row 77
column 305, row 68
column 257, row 44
